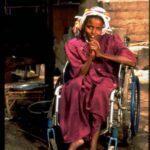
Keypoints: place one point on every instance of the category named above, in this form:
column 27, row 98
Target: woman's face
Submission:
column 93, row 28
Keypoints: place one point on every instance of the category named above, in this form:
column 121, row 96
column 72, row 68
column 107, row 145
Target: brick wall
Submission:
column 130, row 17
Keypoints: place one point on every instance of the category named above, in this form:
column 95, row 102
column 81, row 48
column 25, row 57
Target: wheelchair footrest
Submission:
column 113, row 141
column 52, row 145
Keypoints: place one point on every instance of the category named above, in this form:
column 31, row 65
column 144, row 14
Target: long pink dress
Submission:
column 84, row 103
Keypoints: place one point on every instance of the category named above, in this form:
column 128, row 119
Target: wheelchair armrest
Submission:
column 58, row 90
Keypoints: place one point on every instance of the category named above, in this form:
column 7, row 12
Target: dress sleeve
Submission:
column 74, row 58
column 123, row 50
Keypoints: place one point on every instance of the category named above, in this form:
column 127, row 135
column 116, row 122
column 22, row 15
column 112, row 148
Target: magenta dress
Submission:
column 84, row 103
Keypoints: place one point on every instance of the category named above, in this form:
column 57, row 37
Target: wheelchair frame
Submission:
column 124, row 109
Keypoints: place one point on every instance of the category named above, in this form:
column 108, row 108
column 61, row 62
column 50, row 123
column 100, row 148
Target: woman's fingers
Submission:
column 93, row 54
column 94, row 45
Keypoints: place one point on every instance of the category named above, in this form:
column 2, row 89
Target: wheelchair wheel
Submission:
column 131, row 103
column 135, row 105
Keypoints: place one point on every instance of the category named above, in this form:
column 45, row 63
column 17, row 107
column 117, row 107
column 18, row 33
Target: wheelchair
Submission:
column 124, row 116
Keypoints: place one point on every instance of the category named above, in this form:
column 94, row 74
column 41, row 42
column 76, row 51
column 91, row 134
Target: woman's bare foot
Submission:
column 76, row 144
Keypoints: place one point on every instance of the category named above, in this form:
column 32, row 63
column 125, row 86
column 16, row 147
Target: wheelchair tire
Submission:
column 135, row 105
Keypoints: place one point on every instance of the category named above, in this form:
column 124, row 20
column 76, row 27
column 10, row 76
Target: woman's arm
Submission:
column 75, row 60
column 84, row 69
column 117, row 58
column 94, row 45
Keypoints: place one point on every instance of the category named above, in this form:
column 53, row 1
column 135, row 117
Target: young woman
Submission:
column 94, row 57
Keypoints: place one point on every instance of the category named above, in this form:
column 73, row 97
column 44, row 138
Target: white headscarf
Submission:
column 97, row 11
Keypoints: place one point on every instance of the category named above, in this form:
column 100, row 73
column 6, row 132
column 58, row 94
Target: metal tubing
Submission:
column 111, row 107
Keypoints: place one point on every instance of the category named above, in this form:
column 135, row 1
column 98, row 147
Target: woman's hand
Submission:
column 92, row 54
column 95, row 47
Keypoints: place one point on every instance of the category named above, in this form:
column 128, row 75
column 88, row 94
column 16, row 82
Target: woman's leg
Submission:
column 96, row 126
column 94, row 140
column 76, row 144
column 99, row 109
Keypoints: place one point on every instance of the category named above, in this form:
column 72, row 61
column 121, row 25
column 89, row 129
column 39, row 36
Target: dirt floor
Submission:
column 27, row 132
